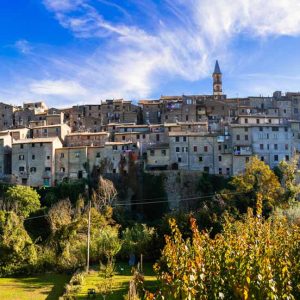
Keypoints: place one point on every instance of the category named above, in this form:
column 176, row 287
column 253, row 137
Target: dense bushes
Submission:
column 18, row 253
column 252, row 258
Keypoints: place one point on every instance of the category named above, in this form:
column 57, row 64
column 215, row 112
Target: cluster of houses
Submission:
column 41, row 146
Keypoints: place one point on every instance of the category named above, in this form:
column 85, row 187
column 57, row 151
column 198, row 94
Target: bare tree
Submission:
column 105, row 194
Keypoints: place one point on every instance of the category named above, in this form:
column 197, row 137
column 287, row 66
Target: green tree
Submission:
column 17, row 251
column 23, row 200
column 288, row 172
column 137, row 239
column 258, row 181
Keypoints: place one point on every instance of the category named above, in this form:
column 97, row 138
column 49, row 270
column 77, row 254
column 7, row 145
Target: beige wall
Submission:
column 34, row 160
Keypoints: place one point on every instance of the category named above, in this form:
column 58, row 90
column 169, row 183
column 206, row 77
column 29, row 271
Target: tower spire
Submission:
column 217, row 68
column 217, row 80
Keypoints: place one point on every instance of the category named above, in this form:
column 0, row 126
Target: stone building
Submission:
column 75, row 139
column 6, row 116
column 151, row 110
column 59, row 130
column 158, row 157
column 33, row 161
column 120, row 111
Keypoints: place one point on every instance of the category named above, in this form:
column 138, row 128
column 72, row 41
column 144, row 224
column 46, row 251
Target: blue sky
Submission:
column 83, row 51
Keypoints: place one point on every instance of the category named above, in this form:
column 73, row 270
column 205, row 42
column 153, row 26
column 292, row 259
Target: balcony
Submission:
column 242, row 150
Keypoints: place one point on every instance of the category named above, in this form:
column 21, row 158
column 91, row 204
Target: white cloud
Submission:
column 132, row 61
column 57, row 87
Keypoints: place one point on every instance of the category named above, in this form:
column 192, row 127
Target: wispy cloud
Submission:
column 23, row 46
column 132, row 59
column 57, row 87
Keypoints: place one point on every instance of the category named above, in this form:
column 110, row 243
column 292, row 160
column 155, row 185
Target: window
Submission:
column 123, row 137
column 275, row 129
column 262, row 158
column 115, row 148
column 227, row 171
column 246, row 137
column 47, row 169
column 177, row 139
column 261, row 146
column 184, row 138
column 237, row 137
column 62, row 169
column 144, row 136
column 220, row 171
column 33, row 169
column 246, row 121
column 206, row 169
column 21, row 157
column 138, row 136
column 205, row 148
column 177, row 149
column 21, row 169
column 285, row 129
column 246, row 129
column 152, row 152
column 62, row 155
column 220, row 147
column 220, row 158
column 257, row 121
column 179, row 159
column 41, row 144
column 33, row 157
column 286, row 146
column 287, row 158
column 247, row 159
column 275, row 157
column 163, row 152
column 157, row 137
column 275, row 147
column 98, row 154
column 32, row 145
column 21, row 146
column 48, row 157
column 77, row 154
column 186, row 117
column 200, row 158
column 225, row 147
column 79, row 174
column 260, row 128
column 195, row 149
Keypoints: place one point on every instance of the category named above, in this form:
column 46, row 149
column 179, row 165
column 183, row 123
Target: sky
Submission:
column 69, row 52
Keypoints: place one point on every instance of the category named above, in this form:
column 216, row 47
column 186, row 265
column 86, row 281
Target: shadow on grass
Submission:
column 45, row 282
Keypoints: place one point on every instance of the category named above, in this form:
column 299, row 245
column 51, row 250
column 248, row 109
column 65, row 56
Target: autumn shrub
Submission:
column 253, row 258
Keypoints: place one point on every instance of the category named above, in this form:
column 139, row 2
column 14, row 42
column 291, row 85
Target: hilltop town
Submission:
column 41, row 146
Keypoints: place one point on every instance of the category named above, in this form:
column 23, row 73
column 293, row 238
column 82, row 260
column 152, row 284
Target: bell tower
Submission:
column 217, row 80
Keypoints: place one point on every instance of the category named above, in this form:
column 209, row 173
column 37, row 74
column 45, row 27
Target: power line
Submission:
column 156, row 202
column 164, row 201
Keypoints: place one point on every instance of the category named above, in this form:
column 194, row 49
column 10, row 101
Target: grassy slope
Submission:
column 120, row 282
column 40, row 287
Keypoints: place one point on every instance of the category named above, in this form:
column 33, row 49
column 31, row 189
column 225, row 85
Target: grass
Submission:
column 40, row 287
column 120, row 282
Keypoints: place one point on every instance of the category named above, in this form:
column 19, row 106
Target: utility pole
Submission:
column 88, row 238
